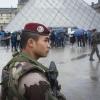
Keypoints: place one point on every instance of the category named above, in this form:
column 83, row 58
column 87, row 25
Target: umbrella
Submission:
column 60, row 31
column 79, row 32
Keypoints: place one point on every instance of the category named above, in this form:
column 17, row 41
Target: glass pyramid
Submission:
column 56, row 13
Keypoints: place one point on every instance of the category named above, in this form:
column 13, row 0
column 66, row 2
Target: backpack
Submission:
column 5, row 78
column 4, row 82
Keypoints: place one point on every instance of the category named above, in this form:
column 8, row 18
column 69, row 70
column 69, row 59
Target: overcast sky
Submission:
column 13, row 3
column 8, row 3
column 89, row 1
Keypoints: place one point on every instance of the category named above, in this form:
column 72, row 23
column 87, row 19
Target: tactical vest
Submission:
column 14, row 71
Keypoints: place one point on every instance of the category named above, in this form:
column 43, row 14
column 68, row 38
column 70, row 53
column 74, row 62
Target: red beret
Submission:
column 37, row 28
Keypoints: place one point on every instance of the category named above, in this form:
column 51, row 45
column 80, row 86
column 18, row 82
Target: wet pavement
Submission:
column 80, row 78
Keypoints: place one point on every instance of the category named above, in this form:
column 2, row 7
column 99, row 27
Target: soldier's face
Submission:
column 41, row 46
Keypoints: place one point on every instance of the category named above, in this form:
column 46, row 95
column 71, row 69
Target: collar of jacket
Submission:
column 23, row 54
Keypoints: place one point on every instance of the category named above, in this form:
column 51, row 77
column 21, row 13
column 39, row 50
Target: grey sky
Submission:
column 13, row 3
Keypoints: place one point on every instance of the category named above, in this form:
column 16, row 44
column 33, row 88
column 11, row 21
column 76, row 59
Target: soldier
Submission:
column 94, row 45
column 27, row 78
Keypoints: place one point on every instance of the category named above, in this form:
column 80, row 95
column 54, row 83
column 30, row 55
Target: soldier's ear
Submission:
column 30, row 42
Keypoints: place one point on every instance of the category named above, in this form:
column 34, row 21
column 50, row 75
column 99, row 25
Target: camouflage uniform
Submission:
column 20, row 66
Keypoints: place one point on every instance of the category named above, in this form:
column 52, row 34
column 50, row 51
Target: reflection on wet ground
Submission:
column 94, row 71
column 80, row 78
column 80, row 57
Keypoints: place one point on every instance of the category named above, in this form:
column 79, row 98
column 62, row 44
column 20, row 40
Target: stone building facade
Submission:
column 7, row 14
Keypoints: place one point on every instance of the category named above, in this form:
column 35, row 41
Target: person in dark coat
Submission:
column 94, row 45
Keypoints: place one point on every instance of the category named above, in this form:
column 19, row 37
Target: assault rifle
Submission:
column 52, row 76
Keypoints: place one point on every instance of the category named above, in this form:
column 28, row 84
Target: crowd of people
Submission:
column 58, row 38
column 8, row 39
